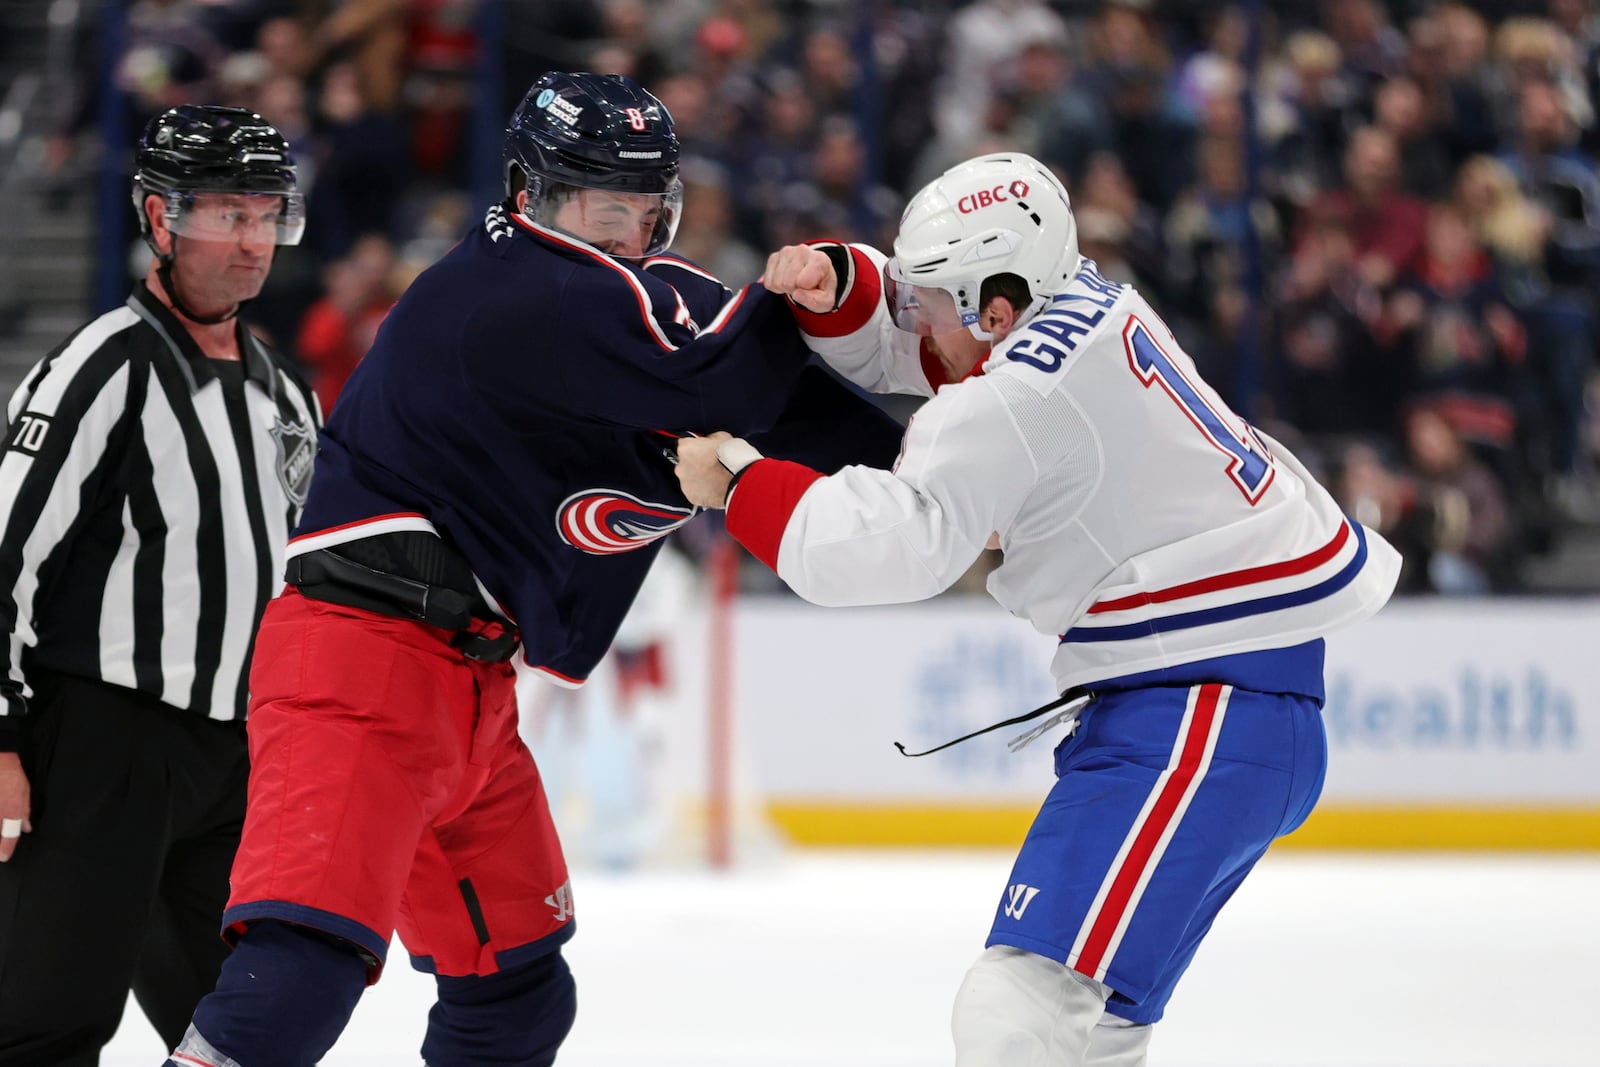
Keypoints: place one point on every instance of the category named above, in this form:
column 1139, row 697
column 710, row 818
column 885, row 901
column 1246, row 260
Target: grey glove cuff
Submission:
column 736, row 457
column 736, row 454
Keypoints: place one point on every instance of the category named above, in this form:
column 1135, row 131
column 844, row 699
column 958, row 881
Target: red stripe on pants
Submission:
column 1141, row 855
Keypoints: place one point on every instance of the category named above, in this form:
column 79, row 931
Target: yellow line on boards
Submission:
column 1332, row 827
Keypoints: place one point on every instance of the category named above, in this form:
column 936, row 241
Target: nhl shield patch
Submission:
column 297, row 453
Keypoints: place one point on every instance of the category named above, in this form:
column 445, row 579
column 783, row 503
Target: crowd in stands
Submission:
column 1386, row 252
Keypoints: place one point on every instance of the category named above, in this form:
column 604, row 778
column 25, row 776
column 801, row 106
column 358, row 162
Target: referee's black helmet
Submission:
column 201, row 148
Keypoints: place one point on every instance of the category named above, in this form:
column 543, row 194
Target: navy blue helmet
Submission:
column 595, row 131
column 592, row 131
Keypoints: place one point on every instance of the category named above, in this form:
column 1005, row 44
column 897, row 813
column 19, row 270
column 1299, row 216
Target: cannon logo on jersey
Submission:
column 297, row 453
column 604, row 521
column 986, row 197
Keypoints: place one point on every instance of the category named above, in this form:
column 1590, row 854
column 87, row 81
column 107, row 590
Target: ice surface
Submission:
column 850, row 959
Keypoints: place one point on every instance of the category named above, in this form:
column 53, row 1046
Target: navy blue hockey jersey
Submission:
column 516, row 401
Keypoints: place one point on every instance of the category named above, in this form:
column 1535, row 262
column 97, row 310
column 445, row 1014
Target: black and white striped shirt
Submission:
column 146, row 495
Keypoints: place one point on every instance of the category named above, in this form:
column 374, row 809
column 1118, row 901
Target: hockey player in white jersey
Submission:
column 1187, row 565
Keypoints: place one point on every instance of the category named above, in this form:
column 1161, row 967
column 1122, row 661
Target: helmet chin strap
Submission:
column 164, row 272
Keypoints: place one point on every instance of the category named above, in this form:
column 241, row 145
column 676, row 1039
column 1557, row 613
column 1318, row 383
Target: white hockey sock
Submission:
column 1018, row 1009
column 1118, row 1043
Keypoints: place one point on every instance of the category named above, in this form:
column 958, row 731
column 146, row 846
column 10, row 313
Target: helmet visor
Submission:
column 920, row 309
column 625, row 225
column 230, row 216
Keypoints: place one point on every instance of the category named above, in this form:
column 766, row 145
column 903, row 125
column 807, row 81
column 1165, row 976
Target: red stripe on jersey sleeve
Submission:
column 866, row 291
column 768, row 492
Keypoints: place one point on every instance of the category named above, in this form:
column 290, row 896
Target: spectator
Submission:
column 171, row 57
column 777, row 157
column 1306, row 130
column 1426, row 166
column 441, row 50
column 979, row 39
column 711, row 241
column 1554, row 174
column 1105, row 186
column 371, row 35
column 1147, row 128
column 1373, row 492
column 1386, row 225
column 1333, row 378
column 1461, row 510
column 285, row 46
column 1532, row 51
column 689, row 100
column 846, row 190
column 1509, row 226
column 724, row 63
column 1464, row 349
column 338, row 329
column 1211, row 232
column 1454, row 97
column 628, row 29
column 1048, row 114
column 1373, row 51
column 1217, row 68
column 828, row 71
column 364, row 164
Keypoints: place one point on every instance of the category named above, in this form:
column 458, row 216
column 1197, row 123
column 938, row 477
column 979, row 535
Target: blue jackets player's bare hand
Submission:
column 804, row 274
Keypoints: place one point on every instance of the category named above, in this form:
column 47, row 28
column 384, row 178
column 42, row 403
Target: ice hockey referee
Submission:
column 153, row 467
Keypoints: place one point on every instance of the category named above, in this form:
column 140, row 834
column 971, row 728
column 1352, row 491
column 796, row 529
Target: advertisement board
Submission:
column 1450, row 723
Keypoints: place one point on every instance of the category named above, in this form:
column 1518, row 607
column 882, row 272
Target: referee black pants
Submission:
column 137, row 810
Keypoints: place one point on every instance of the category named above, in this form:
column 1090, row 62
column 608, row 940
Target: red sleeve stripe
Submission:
column 860, row 301
column 768, row 492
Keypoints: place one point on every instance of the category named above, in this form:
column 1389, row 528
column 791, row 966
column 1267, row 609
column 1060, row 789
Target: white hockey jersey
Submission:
column 1143, row 524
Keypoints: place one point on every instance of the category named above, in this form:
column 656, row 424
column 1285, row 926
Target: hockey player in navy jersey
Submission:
column 495, row 480
column 1186, row 566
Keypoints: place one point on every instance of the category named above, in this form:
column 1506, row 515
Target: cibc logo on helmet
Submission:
column 986, row 197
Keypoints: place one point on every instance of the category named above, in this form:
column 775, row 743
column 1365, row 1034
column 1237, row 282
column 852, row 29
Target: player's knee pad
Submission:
column 514, row 1018
column 1019, row 1009
column 1118, row 1043
column 284, row 996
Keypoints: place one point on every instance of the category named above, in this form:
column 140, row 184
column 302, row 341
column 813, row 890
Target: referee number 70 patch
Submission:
column 30, row 433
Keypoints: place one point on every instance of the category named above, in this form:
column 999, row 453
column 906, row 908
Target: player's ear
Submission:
column 997, row 318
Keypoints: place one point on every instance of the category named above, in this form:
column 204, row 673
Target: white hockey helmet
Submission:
column 1003, row 213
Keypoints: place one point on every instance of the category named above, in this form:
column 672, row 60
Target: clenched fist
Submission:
column 702, row 477
column 805, row 275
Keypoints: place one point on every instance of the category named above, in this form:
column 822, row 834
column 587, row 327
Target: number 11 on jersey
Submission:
column 1250, row 466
